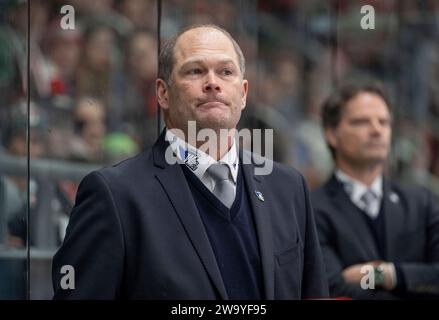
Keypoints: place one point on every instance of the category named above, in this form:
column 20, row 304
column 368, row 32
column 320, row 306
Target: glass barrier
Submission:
column 92, row 70
column 14, row 184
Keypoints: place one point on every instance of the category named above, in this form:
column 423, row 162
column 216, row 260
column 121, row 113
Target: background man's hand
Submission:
column 352, row 274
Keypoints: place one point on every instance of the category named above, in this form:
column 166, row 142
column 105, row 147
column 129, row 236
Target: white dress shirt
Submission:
column 356, row 189
column 198, row 161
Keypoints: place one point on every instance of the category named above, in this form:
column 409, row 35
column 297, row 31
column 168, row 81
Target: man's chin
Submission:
column 375, row 160
column 215, row 123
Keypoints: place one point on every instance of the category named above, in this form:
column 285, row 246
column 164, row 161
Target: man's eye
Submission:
column 227, row 72
column 358, row 122
column 195, row 71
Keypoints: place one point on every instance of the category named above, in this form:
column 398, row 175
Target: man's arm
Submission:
column 423, row 278
column 338, row 284
column 93, row 246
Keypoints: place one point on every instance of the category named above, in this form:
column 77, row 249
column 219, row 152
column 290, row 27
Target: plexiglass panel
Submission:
column 92, row 70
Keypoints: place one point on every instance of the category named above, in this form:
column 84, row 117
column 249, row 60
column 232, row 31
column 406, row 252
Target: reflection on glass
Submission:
column 13, row 119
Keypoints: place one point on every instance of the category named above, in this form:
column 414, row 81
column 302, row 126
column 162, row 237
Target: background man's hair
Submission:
column 334, row 105
column 166, row 57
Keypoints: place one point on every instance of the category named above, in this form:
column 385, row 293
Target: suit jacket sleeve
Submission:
column 423, row 278
column 315, row 283
column 93, row 245
column 339, row 288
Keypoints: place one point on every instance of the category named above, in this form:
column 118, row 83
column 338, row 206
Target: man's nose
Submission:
column 211, row 84
column 376, row 128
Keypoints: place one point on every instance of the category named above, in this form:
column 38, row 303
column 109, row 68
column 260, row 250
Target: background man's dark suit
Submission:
column 135, row 233
column 411, row 219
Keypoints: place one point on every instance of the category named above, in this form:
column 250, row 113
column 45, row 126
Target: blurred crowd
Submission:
column 92, row 88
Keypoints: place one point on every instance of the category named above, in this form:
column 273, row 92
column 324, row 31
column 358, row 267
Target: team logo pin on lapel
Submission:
column 394, row 197
column 259, row 195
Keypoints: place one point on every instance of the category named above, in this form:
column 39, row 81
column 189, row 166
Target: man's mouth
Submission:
column 211, row 104
column 376, row 144
column 214, row 103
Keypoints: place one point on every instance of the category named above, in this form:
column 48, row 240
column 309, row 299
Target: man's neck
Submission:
column 363, row 174
column 214, row 147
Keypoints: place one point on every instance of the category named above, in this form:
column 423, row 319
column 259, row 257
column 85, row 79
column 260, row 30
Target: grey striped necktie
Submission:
column 368, row 198
column 223, row 189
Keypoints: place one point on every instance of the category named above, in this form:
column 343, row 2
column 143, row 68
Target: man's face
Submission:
column 363, row 135
column 206, row 83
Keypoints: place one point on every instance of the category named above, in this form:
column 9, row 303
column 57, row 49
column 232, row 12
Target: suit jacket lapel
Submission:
column 349, row 213
column 393, row 219
column 261, row 213
column 177, row 189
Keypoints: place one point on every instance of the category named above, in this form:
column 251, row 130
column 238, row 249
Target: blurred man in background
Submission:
column 89, row 129
column 366, row 222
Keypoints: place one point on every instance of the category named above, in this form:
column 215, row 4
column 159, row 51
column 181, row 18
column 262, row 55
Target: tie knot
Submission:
column 368, row 197
column 219, row 171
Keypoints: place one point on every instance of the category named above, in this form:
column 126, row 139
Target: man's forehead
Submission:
column 202, row 34
column 203, row 40
column 366, row 103
column 218, row 59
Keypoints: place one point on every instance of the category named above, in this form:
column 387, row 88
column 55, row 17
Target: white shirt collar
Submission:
column 199, row 161
column 356, row 189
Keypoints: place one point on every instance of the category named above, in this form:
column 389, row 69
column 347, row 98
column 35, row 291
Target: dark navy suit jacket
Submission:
column 135, row 233
column 411, row 222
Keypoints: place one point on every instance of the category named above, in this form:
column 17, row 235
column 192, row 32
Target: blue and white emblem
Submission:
column 191, row 160
column 259, row 195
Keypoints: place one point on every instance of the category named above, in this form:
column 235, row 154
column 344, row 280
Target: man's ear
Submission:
column 162, row 93
column 331, row 137
column 245, row 90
